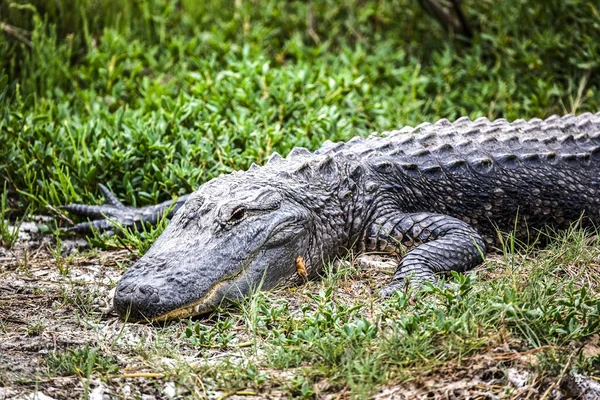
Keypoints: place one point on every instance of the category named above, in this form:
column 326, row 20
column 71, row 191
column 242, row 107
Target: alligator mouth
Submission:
column 205, row 303
column 196, row 308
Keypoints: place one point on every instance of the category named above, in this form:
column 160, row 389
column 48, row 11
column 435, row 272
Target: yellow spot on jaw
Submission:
column 301, row 267
column 191, row 309
column 194, row 308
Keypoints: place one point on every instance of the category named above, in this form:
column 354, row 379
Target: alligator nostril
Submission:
column 135, row 301
column 147, row 294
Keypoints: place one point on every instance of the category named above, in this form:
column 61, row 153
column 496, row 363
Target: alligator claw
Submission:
column 414, row 286
column 390, row 289
column 410, row 284
column 110, row 197
column 86, row 227
column 84, row 210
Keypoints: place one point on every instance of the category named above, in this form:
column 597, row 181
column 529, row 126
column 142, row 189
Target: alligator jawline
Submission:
column 193, row 308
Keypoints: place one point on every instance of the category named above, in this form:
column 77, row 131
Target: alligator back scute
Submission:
column 544, row 171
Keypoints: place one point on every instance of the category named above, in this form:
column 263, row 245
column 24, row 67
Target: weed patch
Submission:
column 82, row 362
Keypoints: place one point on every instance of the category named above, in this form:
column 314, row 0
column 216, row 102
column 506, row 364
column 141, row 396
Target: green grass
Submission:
column 360, row 345
column 9, row 234
column 155, row 97
column 80, row 361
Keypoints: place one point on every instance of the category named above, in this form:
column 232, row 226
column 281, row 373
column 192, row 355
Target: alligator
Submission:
column 439, row 194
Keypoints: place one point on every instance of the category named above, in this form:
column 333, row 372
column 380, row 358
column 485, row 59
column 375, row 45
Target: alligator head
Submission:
column 237, row 233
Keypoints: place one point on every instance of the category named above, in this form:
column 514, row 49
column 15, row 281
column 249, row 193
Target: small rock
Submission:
column 37, row 396
column 339, row 263
column 105, row 303
column 41, row 219
column 126, row 391
column 582, row 387
column 27, row 227
column 27, row 230
column 169, row 390
column 72, row 246
column 167, row 362
column 97, row 393
column 6, row 392
column 518, row 378
column 370, row 262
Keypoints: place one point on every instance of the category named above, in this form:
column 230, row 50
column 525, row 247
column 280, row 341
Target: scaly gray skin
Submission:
column 443, row 190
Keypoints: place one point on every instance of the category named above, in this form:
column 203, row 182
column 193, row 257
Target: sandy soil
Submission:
column 51, row 302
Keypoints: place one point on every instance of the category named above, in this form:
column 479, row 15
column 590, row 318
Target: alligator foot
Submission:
column 415, row 285
column 392, row 288
column 115, row 215
column 447, row 244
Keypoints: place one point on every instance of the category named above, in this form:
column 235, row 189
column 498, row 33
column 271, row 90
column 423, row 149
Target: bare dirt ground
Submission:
column 50, row 302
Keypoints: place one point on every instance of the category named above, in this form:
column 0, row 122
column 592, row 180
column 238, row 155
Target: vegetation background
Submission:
column 155, row 97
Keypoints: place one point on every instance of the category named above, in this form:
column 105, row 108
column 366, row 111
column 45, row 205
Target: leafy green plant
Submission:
column 36, row 327
column 83, row 362
column 8, row 234
column 130, row 99
column 62, row 262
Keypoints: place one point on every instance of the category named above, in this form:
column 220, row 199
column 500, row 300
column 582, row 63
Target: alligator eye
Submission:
column 237, row 215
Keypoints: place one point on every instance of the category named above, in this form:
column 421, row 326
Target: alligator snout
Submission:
column 136, row 302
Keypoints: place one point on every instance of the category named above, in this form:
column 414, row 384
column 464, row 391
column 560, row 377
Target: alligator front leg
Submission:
column 439, row 243
column 105, row 217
